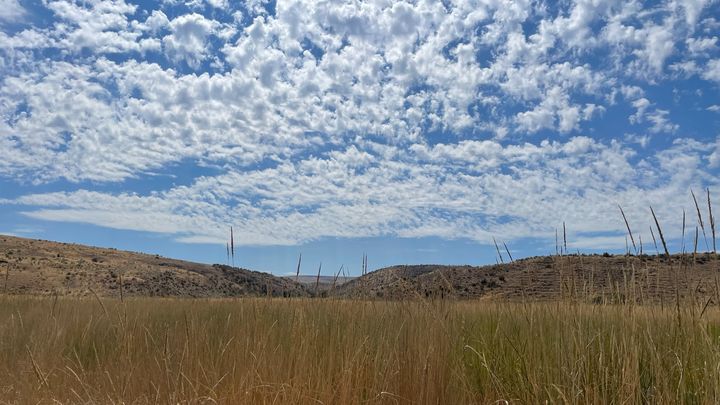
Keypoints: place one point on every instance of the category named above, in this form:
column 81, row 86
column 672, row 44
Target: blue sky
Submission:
column 415, row 132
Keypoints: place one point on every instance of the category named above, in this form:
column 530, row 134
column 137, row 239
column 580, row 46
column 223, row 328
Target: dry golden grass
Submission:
column 70, row 350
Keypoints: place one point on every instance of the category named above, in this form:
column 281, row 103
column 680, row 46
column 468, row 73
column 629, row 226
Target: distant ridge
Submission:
column 46, row 268
column 600, row 278
column 38, row 267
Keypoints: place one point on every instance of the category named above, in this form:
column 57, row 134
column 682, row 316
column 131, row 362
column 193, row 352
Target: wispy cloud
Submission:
column 452, row 191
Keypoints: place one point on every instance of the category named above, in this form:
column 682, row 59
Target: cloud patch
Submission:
column 188, row 39
column 11, row 11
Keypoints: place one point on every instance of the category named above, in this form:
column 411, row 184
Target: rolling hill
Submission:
column 597, row 277
column 40, row 267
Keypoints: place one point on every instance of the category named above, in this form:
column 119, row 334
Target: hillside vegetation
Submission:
column 48, row 268
column 595, row 278
column 39, row 267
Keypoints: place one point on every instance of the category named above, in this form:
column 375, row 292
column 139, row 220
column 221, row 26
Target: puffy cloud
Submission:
column 356, row 68
column 11, row 10
column 658, row 46
column 702, row 46
column 712, row 70
column 156, row 21
column 188, row 39
column 221, row 4
column 100, row 26
column 654, row 40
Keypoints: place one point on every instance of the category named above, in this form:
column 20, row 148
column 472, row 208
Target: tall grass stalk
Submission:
column 700, row 220
column 508, row 252
column 657, row 251
column 232, row 246
column 364, row 265
column 682, row 249
column 627, row 225
column 712, row 221
column 498, row 251
column 662, row 238
column 336, row 276
column 317, row 280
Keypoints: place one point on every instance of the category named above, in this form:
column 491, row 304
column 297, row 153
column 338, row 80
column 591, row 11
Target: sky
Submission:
column 413, row 132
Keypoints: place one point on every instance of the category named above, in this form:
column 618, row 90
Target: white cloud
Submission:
column 660, row 123
column 100, row 26
column 657, row 118
column 221, row 4
column 448, row 190
column 701, row 46
column 650, row 34
column 156, row 21
column 593, row 242
column 692, row 9
column 658, row 46
column 576, row 28
column 632, row 92
column 188, row 40
column 11, row 11
column 712, row 70
column 714, row 158
column 641, row 105
column 554, row 112
column 687, row 68
column 541, row 117
column 642, row 140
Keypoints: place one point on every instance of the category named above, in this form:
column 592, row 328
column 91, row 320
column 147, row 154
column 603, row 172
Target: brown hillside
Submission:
column 597, row 277
column 44, row 268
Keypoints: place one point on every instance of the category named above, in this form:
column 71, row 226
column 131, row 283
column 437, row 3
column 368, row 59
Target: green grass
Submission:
column 345, row 352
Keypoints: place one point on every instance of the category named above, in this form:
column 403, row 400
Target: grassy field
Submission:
column 334, row 351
